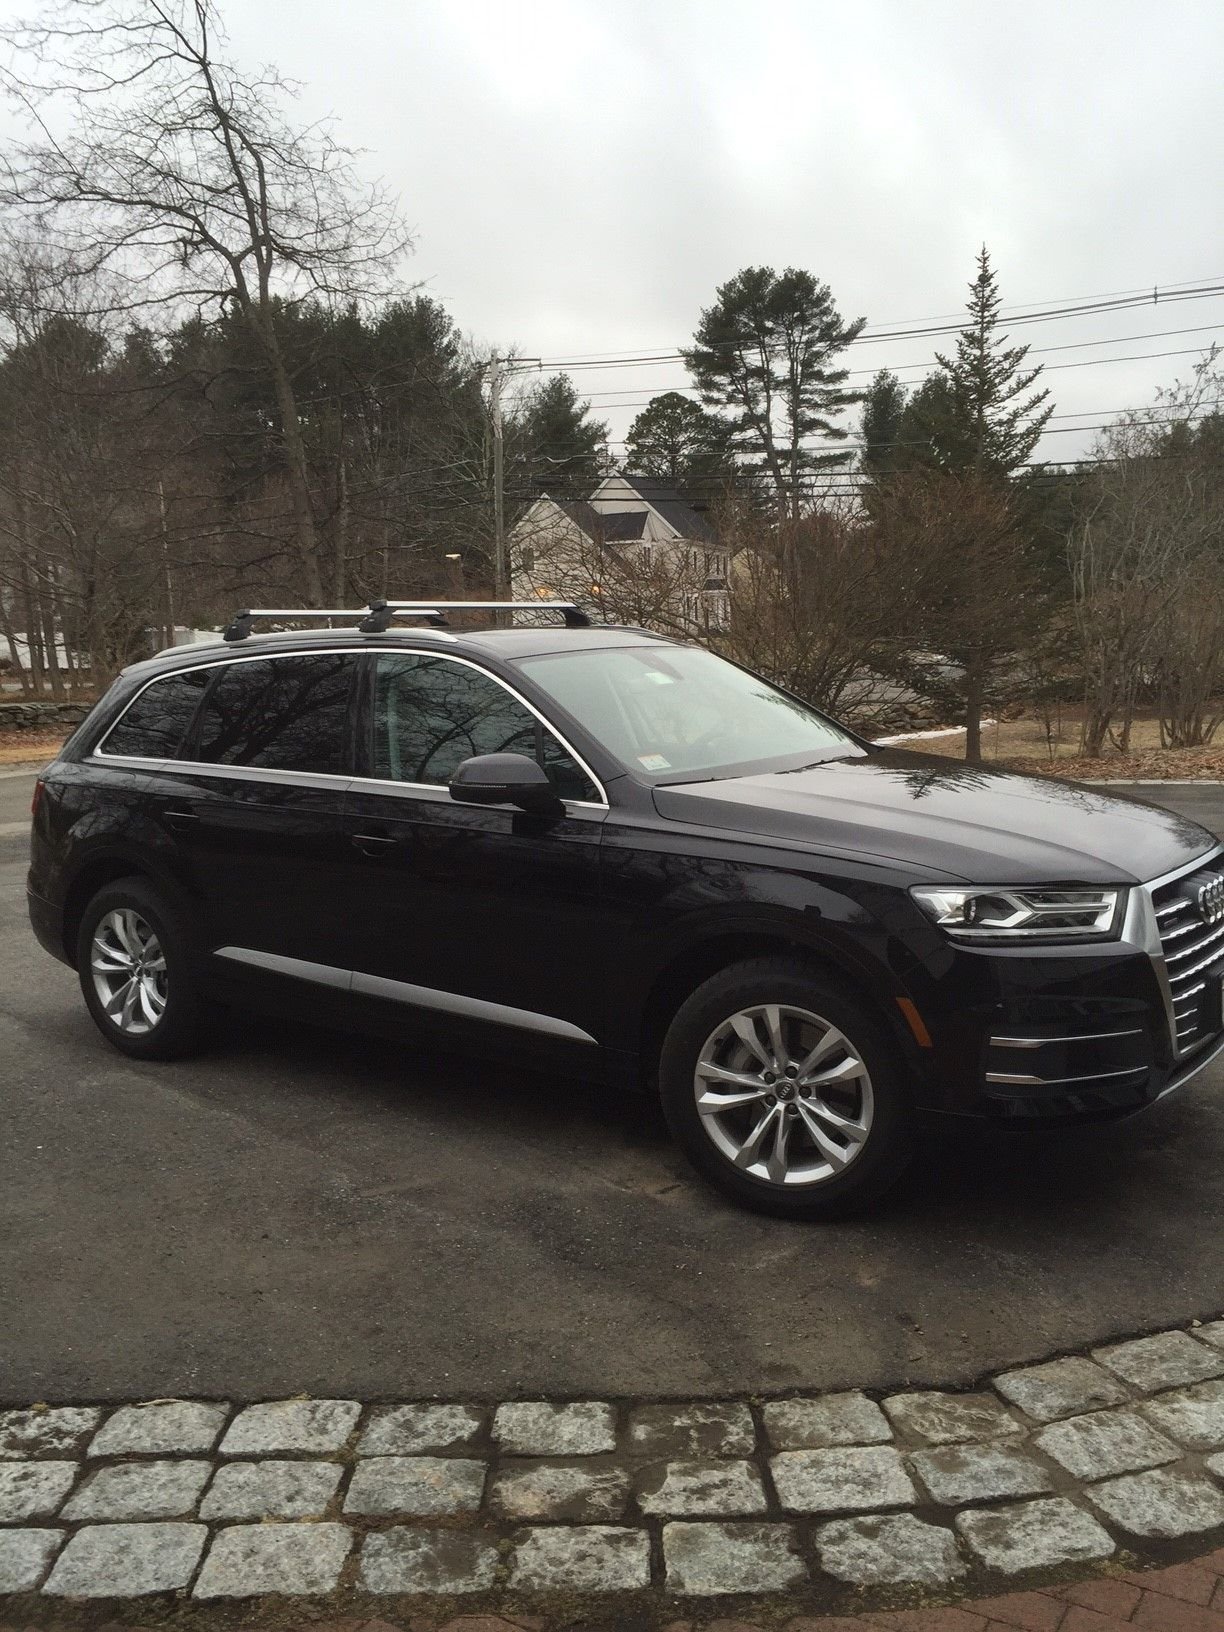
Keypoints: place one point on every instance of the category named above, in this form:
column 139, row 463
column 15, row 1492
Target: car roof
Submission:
column 509, row 644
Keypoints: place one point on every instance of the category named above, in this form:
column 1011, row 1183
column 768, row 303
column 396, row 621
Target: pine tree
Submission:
column 763, row 359
column 555, row 447
column 991, row 418
column 675, row 441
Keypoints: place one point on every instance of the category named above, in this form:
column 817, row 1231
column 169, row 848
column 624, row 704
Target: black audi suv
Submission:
column 620, row 852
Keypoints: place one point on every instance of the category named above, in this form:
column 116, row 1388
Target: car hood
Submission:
column 946, row 818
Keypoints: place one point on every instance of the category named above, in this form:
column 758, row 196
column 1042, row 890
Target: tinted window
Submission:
column 156, row 722
column 430, row 714
column 286, row 714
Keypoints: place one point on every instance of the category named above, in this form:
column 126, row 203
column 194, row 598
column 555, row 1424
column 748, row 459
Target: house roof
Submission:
column 618, row 527
column 674, row 510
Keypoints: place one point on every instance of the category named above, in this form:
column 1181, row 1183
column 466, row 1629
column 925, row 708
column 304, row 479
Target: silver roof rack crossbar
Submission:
column 372, row 619
column 574, row 617
column 376, row 618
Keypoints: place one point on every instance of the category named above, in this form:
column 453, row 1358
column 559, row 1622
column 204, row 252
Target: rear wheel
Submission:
column 784, row 1092
column 137, row 974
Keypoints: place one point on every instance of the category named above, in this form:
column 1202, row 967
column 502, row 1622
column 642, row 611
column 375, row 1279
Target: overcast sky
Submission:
column 582, row 174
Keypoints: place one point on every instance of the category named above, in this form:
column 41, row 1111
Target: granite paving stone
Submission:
column 581, row 1558
column 582, row 1492
column 1213, row 1332
column 1167, row 1360
column 1033, row 1535
column 407, row 1559
column 248, row 1559
column 704, row 1560
column 691, row 1489
column 415, row 1487
column 24, row 1557
column 540, row 1428
column 277, row 1426
column 56, row 1431
column 1105, row 1443
column 33, row 1490
column 271, row 1490
column 842, row 1479
column 140, row 1490
column 837, row 1419
column 407, row 1430
column 1215, row 1464
column 1193, row 1416
column 979, row 1473
column 1062, row 1388
column 950, row 1419
column 710, row 1429
column 887, row 1549
column 160, row 1428
column 127, row 1560
column 1163, row 1504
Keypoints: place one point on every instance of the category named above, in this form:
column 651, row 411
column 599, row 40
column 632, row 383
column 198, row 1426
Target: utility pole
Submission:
column 501, row 578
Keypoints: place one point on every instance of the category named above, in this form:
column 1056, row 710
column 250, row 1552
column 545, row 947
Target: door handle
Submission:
column 179, row 819
column 372, row 844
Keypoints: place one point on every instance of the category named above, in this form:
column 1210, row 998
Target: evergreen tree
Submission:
column 556, row 448
column 763, row 358
column 990, row 419
column 675, row 441
column 883, row 411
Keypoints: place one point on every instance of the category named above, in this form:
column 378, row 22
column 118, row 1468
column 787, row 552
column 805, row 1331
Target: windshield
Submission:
column 677, row 713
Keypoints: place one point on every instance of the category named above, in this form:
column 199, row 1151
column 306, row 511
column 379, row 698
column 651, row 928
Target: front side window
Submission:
column 431, row 713
column 678, row 713
column 154, row 724
column 282, row 713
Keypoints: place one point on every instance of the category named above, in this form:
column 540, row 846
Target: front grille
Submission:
column 1191, row 925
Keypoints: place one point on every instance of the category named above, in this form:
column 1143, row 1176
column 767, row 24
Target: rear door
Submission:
column 485, row 913
column 255, row 805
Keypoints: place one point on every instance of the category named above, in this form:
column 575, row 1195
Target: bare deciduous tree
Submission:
column 154, row 159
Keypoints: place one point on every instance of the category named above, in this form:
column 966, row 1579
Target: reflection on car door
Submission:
column 256, row 807
column 468, row 909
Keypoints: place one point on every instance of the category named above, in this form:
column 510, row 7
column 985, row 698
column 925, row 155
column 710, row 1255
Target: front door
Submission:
column 486, row 914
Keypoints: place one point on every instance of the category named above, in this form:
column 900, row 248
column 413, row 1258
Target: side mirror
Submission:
column 505, row 779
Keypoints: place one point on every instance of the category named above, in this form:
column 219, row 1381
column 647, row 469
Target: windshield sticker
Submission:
column 658, row 678
column 654, row 762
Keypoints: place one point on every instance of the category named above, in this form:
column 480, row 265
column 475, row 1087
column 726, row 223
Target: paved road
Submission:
column 318, row 1213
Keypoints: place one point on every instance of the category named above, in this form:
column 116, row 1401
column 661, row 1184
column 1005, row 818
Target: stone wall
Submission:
column 41, row 716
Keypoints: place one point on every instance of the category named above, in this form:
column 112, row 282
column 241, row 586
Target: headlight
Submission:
column 991, row 914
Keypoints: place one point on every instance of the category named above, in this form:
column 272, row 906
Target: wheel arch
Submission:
column 704, row 955
column 95, row 874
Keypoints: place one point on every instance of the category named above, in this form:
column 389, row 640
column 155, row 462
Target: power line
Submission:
column 1205, row 291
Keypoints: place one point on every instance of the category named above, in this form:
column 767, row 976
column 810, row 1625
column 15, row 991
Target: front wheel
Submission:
column 783, row 1092
column 137, row 974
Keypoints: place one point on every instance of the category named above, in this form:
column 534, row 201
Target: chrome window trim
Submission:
column 359, row 984
column 454, row 657
column 323, row 778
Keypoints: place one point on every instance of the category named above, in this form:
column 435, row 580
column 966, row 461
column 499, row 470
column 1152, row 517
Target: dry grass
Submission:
column 30, row 747
column 1021, row 745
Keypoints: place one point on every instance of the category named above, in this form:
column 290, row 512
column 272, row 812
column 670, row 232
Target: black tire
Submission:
column 882, row 1154
column 179, row 1027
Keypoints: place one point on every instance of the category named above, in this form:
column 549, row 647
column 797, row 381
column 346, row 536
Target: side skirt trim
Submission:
column 401, row 991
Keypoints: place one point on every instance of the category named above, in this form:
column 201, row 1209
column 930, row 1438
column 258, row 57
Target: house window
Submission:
column 647, row 557
column 527, row 557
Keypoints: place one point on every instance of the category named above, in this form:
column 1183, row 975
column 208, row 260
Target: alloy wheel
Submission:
column 129, row 971
column 784, row 1095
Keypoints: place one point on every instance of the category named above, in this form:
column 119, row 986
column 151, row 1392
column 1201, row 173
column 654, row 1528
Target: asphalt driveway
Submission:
column 306, row 1212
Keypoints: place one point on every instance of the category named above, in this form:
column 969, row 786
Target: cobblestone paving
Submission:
column 1076, row 1461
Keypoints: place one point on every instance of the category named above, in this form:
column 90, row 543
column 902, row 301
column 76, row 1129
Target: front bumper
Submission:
column 1057, row 1034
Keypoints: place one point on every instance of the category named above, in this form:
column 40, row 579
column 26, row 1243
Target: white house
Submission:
column 635, row 551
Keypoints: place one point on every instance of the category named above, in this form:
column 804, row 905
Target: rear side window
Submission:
column 283, row 713
column 431, row 713
column 155, row 723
